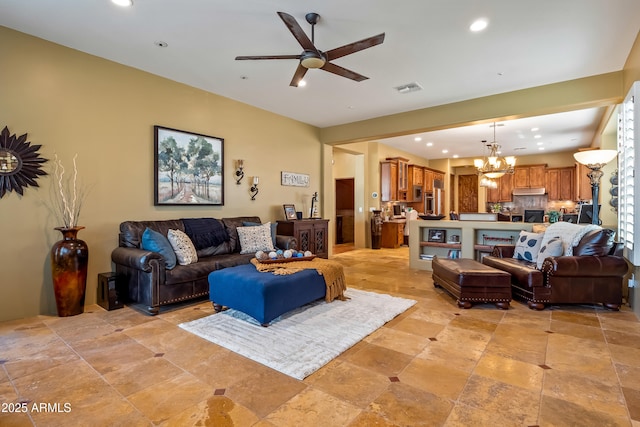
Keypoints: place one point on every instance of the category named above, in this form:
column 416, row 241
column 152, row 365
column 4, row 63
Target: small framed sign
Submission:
column 294, row 179
column 437, row 236
column 289, row 212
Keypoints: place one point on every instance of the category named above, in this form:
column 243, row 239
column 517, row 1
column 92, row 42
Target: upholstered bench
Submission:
column 263, row 296
column 472, row 282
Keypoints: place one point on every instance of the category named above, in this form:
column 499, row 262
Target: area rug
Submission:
column 300, row 342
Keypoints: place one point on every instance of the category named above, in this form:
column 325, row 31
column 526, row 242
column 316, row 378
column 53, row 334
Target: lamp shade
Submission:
column 595, row 157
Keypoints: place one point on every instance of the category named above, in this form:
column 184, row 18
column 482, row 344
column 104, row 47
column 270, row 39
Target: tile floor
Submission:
column 434, row 365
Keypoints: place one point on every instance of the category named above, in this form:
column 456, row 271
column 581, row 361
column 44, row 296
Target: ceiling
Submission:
column 427, row 41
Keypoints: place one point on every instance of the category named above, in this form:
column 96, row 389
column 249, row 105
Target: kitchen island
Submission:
column 458, row 239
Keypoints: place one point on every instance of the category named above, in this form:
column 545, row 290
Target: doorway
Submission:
column 468, row 193
column 345, row 214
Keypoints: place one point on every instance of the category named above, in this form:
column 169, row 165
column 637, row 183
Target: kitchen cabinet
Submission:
column 392, row 234
column 428, row 180
column 583, row 183
column 394, row 179
column 311, row 234
column 503, row 191
column 416, row 175
column 560, row 183
column 530, row 176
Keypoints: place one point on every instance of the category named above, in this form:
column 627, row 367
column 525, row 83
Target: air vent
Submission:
column 409, row 87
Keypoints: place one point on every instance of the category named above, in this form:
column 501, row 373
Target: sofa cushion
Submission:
column 205, row 232
column 156, row 242
column 553, row 247
column 231, row 225
column 523, row 273
column 255, row 238
column 274, row 228
column 528, row 246
column 182, row 246
column 595, row 243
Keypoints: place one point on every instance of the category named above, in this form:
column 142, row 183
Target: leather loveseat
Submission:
column 593, row 274
column 144, row 274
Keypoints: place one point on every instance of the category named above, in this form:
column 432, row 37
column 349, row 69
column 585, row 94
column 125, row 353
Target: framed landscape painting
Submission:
column 188, row 168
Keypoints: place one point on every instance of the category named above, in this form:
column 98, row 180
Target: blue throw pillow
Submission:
column 156, row 242
column 274, row 228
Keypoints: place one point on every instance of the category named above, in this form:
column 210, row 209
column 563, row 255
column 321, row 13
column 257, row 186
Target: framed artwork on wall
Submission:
column 188, row 168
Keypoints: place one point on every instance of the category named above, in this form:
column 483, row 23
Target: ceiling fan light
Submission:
column 312, row 62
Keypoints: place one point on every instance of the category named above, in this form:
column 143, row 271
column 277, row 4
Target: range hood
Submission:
column 540, row 191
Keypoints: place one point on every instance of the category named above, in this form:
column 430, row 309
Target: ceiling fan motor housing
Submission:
column 311, row 59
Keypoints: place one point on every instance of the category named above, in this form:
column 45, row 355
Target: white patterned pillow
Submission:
column 553, row 247
column 527, row 246
column 255, row 238
column 183, row 247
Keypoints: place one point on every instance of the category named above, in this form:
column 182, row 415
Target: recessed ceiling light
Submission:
column 429, row 144
column 534, row 129
column 541, row 148
column 479, row 25
column 445, row 151
column 123, row 3
column 537, row 136
column 539, row 143
column 455, row 156
column 417, row 139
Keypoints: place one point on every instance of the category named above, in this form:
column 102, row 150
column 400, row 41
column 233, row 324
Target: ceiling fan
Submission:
column 312, row 57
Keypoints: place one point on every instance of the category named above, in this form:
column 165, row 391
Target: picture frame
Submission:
column 289, row 212
column 585, row 215
column 437, row 235
column 188, row 168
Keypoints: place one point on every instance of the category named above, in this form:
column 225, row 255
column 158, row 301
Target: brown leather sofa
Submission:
column 593, row 275
column 149, row 284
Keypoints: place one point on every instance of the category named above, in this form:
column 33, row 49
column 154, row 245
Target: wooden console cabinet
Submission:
column 392, row 234
column 311, row 234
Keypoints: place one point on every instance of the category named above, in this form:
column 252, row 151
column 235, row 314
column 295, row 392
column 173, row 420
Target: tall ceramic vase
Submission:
column 69, row 259
column 376, row 230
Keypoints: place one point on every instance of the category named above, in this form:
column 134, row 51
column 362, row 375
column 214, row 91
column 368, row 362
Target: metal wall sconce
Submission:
column 254, row 188
column 239, row 170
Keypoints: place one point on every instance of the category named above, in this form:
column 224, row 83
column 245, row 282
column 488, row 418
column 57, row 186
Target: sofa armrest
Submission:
column 503, row 251
column 286, row 242
column 138, row 259
column 600, row 266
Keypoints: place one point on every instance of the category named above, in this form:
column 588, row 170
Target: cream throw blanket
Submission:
column 332, row 272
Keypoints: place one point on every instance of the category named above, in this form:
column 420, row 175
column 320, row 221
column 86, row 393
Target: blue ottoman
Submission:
column 263, row 296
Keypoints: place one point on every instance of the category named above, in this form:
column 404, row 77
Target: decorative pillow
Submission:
column 255, row 238
column 528, row 246
column 553, row 247
column 156, row 242
column 274, row 228
column 182, row 246
column 595, row 243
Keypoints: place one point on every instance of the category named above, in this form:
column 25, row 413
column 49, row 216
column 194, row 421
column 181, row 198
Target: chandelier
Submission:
column 494, row 166
column 489, row 183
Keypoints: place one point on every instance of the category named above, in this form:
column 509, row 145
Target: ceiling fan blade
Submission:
column 340, row 71
column 297, row 31
column 354, row 47
column 240, row 58
column 299, row 74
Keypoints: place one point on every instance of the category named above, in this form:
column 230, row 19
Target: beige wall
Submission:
column 71, row 102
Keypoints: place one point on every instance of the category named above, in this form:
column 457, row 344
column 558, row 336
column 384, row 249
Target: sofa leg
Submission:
column 217, row 307
column 614, row 307
column 535, row 305
column 502, row 305
column 153, row 310
column 464, row 304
